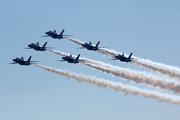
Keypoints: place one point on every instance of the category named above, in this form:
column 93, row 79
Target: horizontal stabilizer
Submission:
column 12, row 63
column 114, row 59
column 45, row 36
column 81, row 48
column 27, row 48
column 60, row 60
column 50, row 47
column 34, row 61
column 67, row 35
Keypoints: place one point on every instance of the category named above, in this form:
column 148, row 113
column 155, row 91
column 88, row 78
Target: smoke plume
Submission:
column 128, row 90
column 129, row 75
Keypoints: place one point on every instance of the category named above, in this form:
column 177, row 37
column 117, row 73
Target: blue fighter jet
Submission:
column 89, row 46
column 22, row 62
column 37, row 46
column 122, row 58
column 53, row 34
column 70, row 59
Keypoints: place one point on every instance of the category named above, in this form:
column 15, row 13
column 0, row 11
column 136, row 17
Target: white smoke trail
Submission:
column 157, row 67
column 130, row 90
column 129, row 75
column 75, row 41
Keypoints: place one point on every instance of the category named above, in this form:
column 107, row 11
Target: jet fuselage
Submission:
column 89, row 47
column 21, row 61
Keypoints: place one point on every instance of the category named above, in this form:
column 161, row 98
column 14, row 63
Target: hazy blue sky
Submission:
column 149, row 29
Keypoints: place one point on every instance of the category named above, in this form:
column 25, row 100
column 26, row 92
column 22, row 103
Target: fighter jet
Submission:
column 37, row 47
column 70, row 59
column 123, row 58
column 89, row 46
column 22, row 62
column 53, row 34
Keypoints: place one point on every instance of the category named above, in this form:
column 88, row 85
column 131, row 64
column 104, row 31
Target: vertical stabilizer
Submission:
column 29, row 59
column 44, row 45
column 61, row 34
column 130, row 56
column 97, row 44
column 77, row 58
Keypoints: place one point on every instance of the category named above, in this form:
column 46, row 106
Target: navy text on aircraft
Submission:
column 53, row 34
column 22, row 62
column 70, row 59
column 123, row 58
column 37, row 46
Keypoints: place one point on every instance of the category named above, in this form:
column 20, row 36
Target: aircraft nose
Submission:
column 14, row 59
column 29, row 45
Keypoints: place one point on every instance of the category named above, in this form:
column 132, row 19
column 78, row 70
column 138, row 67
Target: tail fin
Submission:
column 97, row 44
column 55, row 31
column 29, row 59
column 22, row 58
column 130, row 56
column 77, row 57
column 61, row 32
column 38, row 43
column 44, row 45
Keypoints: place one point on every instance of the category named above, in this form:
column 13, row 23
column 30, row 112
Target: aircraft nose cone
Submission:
column 29, row 45
column 14, row 59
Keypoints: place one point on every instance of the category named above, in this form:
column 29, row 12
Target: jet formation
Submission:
column 69, row 59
